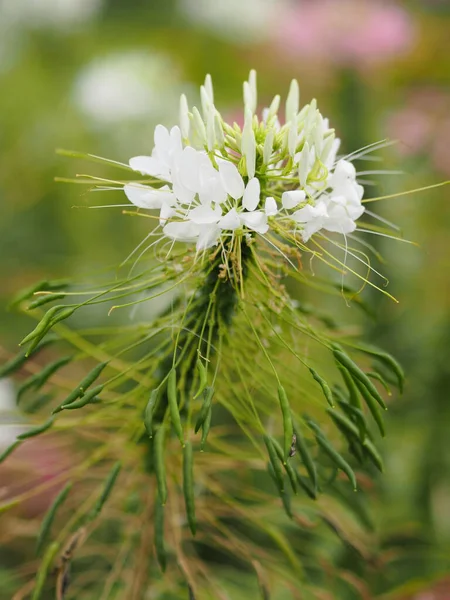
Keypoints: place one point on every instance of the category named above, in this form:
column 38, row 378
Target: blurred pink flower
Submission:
column 439, row 591
column 36, row 462
column 441, row 148
column 356, row 33
column 422, row 127
column 413, row 129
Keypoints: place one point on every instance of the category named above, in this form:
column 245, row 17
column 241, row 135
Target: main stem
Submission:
column 215, row 301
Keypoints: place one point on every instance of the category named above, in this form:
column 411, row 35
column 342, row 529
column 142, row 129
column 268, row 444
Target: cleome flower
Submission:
column 249, row 199
column 212, row 181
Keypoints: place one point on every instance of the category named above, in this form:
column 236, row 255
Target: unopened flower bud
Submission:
column 303, row 167
column 210, row 129
column 292, row 137
column 249, row 144
column 273, row 108
column 218, row 129
column 292, row 101
column 268, row 145
column 184, row 117
column 209, row 88
column 198, row 129
column 206, row 102
column 250, row 92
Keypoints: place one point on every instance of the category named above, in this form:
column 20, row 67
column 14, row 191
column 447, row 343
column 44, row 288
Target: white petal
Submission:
column 270, row 207
column 331, row 158
column 231, row 179
column 206, row 168
column 355, row 211
column 137, row 194
column 337, row 211
column 309, row 213
column 347, row 168
column 212, row 190
column 182, row 193
column 331, row 200
column 166, row 212
column 230, row 221
column 293, row 198
column 311, row 228
column 162, row 138
column 166, row 196
column 353, row 193
column 208, row 237
column 187, row 164
column 343, row 225
column 344, row 172
column 176, row 144
column 251, row 195
column 359, row 191
column 147, row 165
column 183, row 231
column 205, row 214
column 256, row 220
column 146, row 197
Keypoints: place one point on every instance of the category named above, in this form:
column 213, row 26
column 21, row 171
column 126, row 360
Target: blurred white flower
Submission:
column 18, row 16
column 9, row 428
column 129, row 85
column 241, row 21
column 49, row 13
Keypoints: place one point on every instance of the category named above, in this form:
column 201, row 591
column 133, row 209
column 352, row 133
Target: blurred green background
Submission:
column 98, row 75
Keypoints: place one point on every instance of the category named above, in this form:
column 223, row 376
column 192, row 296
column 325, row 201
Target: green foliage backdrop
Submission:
column 73, row 83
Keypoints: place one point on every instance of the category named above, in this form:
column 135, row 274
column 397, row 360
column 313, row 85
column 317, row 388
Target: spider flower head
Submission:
column 214, row 183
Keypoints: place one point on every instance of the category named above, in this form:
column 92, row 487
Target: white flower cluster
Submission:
column 216, row 181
